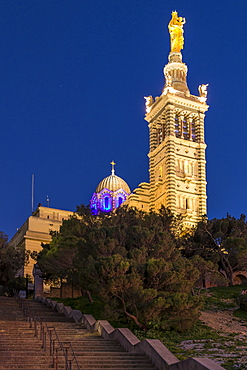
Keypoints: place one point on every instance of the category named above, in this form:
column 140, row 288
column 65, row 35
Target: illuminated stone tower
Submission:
column 177, row 147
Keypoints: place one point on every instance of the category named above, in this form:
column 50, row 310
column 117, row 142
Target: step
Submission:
column 22, row 350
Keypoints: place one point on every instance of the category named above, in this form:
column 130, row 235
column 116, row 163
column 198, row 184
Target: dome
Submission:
column 111, row 192
column 113, row 183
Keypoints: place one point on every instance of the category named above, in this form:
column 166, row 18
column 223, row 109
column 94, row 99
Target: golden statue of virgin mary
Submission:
column 176, row 31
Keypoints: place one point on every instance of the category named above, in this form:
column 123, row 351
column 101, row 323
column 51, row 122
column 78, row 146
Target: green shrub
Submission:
column 243, row 302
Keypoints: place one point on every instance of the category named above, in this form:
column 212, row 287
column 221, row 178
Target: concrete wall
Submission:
column 66, row 291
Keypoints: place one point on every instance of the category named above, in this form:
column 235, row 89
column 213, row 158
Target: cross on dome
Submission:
column 112, row 168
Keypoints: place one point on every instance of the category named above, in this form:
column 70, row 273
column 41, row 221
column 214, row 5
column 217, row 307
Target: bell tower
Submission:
column 176, row 138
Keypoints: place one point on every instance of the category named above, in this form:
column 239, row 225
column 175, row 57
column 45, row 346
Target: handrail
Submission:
column 64, row 346
column 70, row 361
column 54, row 343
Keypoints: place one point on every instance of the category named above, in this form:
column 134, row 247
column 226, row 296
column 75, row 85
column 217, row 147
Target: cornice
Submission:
column 176, row 99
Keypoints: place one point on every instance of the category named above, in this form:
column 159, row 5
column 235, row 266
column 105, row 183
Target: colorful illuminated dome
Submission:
column 113, row 183
column 111, row 192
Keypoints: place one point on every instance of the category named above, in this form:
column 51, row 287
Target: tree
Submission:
column 131, row 259
column 56, row 259
column 11, row 260
column 222, row 241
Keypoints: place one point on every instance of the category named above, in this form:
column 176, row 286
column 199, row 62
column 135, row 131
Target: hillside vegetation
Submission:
column 221, row 335
column 144, row 267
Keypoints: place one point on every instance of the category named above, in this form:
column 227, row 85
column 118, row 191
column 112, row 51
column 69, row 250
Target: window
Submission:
column 94, row 209
column 187, row 203
column 106, row 202
column 193, row 130
column 186, row 167
column 120, row 201
column 159, row 135
column 186, row 134
column 177, row 133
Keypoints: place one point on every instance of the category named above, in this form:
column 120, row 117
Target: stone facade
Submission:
column 176, row 148
column 36, row 230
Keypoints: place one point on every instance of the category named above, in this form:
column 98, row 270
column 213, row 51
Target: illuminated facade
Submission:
column 111, row 192
column 37, row 230
column 176, row 159
column 176, row 142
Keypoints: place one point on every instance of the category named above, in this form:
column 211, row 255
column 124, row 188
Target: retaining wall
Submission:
column 160, row 356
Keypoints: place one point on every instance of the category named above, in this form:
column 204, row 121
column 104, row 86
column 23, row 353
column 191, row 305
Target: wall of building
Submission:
column 36, row 230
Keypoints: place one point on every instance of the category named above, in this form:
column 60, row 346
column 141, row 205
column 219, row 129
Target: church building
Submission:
column 176, row 141
column 111, row 192
column 176, row 159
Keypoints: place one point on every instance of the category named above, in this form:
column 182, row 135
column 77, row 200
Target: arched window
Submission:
column 120, row 201
column 177, row 131
column 106, row 202
column 187, row 203
column 186, row 167
column 193, row 130
column 186, row 133
column 159, row 135
column 94, row 209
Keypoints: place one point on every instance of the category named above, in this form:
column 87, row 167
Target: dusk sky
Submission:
column 73, row 76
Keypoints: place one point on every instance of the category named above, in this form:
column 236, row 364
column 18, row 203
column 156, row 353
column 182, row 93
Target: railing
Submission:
column 65, row 347
column 42, row 330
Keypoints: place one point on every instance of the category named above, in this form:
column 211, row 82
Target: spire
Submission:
column 112, row 167
column 176, row 71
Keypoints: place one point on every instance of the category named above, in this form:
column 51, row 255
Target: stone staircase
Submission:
column 20, row 349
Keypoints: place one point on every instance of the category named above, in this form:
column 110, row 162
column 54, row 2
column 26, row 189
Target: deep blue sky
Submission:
column 73, row 74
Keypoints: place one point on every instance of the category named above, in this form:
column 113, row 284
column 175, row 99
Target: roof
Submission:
column 113, row 183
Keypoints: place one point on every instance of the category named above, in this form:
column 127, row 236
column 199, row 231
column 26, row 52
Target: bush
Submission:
column 243, row 302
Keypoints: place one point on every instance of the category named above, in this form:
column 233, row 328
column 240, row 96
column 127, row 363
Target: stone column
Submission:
column 38, row 281
column 170, row 161
column 201, row 165
column 152, row 146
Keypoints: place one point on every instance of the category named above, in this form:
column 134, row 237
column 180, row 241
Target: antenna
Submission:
column 32, row 192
